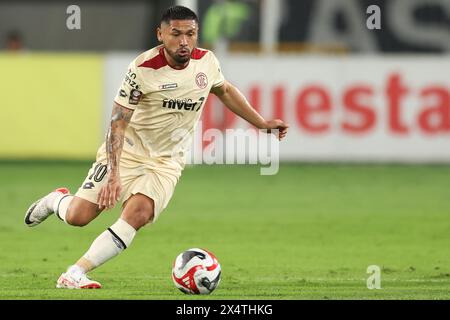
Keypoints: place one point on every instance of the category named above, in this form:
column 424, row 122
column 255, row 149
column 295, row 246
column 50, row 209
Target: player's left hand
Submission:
column 279, row 125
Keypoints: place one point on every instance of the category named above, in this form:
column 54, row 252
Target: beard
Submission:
column 180, row 58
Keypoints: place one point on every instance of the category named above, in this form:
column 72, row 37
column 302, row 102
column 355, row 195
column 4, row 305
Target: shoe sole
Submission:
column 28, row 222
column 89, row 286
column 66, row 284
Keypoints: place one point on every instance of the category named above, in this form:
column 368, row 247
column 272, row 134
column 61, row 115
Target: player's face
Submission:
column 179, row 38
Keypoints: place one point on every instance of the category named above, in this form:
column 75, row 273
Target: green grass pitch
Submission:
column 309, row 232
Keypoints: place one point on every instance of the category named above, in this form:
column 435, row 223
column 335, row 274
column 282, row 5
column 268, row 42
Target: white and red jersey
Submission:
column 167, row 102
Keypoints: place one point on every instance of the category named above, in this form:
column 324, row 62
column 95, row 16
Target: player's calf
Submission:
column 106, row 246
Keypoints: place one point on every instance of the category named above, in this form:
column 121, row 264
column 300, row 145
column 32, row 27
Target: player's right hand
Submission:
column 110, row 193
column 278, row 124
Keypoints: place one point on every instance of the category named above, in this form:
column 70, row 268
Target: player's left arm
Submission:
column 234, row 100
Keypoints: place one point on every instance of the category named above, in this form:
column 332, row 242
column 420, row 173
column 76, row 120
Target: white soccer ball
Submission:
column 196, row 271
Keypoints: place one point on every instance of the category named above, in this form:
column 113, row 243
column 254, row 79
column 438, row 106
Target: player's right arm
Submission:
column 126, row 101
column 110, row 193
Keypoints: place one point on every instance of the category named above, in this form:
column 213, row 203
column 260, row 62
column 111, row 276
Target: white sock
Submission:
column 110, row 243
column 60, row 205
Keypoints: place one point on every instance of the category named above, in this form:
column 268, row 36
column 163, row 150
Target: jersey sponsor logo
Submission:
column 135, row 96
column 183, row 104
column 130, row 79
column 201, row 80
column 168, row 86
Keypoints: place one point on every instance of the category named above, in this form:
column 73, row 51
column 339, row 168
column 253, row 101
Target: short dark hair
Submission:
column 178, row 13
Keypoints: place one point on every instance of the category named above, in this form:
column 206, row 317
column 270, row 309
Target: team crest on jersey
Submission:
column 201, row 80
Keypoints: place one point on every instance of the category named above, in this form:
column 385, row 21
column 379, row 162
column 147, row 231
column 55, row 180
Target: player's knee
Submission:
column 76, row 218
column 138, row 211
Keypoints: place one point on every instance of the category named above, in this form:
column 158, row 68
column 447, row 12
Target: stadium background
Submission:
column 365, row 169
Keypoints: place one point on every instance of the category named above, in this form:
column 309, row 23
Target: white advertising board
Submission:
column 354, row 108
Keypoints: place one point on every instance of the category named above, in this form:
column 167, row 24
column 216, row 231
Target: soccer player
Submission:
column 140, row 162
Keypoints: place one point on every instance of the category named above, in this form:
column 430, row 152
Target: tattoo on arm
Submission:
column 121, row 113
column 120, row 118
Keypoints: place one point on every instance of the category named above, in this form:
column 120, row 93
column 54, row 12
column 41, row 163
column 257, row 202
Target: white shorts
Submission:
column 151, row 178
